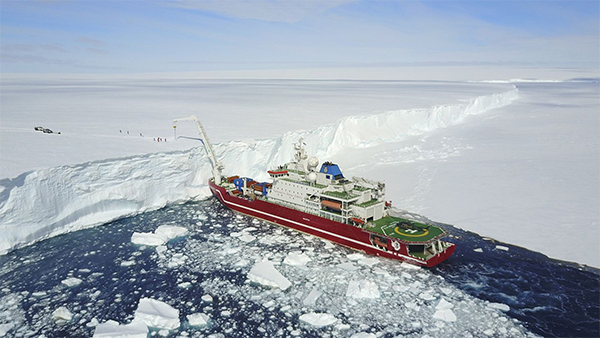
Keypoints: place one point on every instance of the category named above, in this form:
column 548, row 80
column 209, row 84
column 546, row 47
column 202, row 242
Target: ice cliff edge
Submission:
column 52, row 201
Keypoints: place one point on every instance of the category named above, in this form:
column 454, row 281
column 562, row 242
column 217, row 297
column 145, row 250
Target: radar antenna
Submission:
column 217, row 166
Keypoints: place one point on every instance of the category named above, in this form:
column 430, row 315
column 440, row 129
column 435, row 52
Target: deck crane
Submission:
column 216, row 166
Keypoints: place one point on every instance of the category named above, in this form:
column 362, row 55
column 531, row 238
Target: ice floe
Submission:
column 71, row 281
column 446, row 315
column 161, row 235
column 157, row 314
column 363, row 335
column 296, row 259
column 312, row 297
column 148, row 238
column 171, row 231
column 112, row 329
column 318, row 319
column 264, row 273
column 198, row 319
column 499, row 306
column 362, row 289
column 62, row 313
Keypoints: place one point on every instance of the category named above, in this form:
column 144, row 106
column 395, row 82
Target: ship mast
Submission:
column 216, row 166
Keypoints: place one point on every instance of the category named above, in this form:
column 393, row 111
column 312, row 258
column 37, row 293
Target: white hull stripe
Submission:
column 309, row 227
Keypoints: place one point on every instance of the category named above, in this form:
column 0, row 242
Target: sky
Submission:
column 178, row 35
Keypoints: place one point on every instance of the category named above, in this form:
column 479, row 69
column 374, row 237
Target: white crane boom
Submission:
column 217, row 167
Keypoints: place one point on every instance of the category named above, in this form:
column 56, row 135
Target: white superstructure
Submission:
column 325, row 192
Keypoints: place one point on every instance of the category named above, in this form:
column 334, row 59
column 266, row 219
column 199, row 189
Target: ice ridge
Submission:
column 52, row 201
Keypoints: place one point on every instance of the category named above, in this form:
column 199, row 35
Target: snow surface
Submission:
column 112, row 329
column 157, row 314
column 504, row 169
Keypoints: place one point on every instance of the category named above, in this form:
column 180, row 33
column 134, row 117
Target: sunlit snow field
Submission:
column 513, row 160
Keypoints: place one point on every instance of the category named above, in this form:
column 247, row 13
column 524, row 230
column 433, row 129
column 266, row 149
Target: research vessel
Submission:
column 318, row 199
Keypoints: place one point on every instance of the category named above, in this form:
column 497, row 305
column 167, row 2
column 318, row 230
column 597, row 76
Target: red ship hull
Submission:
column 340, row 233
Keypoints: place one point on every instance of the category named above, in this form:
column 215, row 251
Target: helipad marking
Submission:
column 425, row 232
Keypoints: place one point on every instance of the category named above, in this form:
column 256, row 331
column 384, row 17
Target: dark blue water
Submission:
column 547, row 297
column 552, row 298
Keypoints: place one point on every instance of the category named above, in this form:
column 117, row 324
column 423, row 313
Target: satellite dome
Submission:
column 312, row 177
column 313, row 162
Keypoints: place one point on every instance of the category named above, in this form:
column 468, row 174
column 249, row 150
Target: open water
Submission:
column 546, row 297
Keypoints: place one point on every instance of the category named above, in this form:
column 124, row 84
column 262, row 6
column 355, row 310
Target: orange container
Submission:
column 332, row 205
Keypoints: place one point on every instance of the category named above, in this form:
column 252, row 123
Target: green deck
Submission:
column 368, row 203
column 420, row 233
column 339, row 195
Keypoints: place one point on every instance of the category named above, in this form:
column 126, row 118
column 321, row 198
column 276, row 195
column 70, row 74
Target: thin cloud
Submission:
column 32, row 48
column 267, row 10
column 97, row 51
column 11, row 58
column 53, row 48
column 92, row 42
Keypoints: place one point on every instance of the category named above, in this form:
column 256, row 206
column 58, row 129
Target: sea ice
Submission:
column 198, row 319
column 264, row 273
column 148, row 238
column 161, row 235
column 444, row 304
column 355, row 256
column 207, row 298
column 501, row 247
column 499, row 306
column 184, row 285
column 363, row 335
column 161, row 250
column 246, row 237
column 62, row 313
column 362, row 289
column 155, row 313
column 312, row 297
column 445, row 314
column 71, row 281
column 348, row 266
column 368, row 261
column 171, row 231
column 112, row 329
column 410, row 266
column 318, row 319
column 478, row 250
column 177, row 260
column 426, row 296
column 92, row 323
column 296, row 259
column 4, row 328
